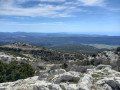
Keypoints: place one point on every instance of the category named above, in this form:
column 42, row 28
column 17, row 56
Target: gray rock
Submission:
column 65, row 86
column 101, row 66
column 85, row 83
column 109, row 83
column 57, row 71
column 100, row 78
column 81, row 68
column 101, row 85
column 43, row 76
column 46, row 86
column 66, row 77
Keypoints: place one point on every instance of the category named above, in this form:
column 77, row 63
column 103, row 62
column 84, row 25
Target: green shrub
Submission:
column 95, row 75
column 64, row 66
column 42, row 67
column 14, row 71
column 118, row 49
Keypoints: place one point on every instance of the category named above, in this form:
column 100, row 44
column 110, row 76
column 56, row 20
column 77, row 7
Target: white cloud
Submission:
column 52, row 0
column 41, row 0
column 14, row 7
column 3, row 22
column 99, row 3
column 92, row 2
column 44, row 10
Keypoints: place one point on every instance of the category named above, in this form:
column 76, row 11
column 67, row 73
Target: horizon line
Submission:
column 82, row 33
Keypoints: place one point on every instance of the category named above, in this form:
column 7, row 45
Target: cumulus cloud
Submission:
column 15, row 7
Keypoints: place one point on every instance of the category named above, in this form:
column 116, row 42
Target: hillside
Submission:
column 30, row 51
column 38, row 57
column 37, row 53
column 51, row 69
column 86, row 49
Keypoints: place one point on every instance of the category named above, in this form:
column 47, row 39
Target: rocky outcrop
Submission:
column 57, row 71
column 109, row 83
column 101, row 77
column 23, row 46
column 103, row 67
column 108, row 58
column 81, row 69
column 66, row 77
column 85, row 83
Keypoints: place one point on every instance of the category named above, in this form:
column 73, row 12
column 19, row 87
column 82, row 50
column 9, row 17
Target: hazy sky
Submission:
column 88, row 16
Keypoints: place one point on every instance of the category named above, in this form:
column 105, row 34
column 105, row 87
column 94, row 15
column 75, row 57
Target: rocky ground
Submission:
column 101, row 77
column 7, row 57
column 78, row 75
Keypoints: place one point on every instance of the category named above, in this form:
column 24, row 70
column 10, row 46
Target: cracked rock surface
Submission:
column 101, row 77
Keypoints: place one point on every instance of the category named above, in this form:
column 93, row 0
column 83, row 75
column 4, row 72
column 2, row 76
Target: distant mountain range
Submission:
column 51, row 34
column 57, row 40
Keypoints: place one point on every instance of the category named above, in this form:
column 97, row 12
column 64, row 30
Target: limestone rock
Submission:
column 57, row 71
column 85, row 83
column 65, row 86
column 67, row 77
column 81, row 68
column 103, row 66
column 102, row 77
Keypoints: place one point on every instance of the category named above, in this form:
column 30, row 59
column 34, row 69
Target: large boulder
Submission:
column 42, row 85
column 67, row 77
column 23, row 84
column 112, row 83
column 81, row 69
column 65, row 86
column 27, row 85
column 43, row 76
column 101, row 66
column 85, row 83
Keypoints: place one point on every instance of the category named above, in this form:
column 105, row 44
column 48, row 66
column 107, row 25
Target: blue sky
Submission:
column 78, row 16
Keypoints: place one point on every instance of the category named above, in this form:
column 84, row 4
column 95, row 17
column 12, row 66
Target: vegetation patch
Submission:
column 99, row 73
column 106, row 72
column 41, row 67
column 96, row 76
column 19, row 89
column 73, row 80
column 64, row 66
column 118, row 49
column 81, row 75
column 14, row 71
column 51, row 77
column 93, row 87
column 103, row 46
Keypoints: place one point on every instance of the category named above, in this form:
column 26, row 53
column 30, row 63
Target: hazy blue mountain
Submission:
column 55, row 40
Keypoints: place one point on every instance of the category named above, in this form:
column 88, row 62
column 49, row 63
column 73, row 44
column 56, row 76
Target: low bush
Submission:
column 14, row 71
column 42, row 67
column 118, row 49
column 64, row 66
